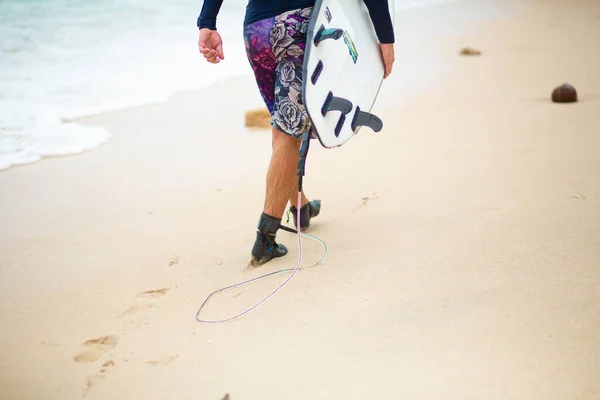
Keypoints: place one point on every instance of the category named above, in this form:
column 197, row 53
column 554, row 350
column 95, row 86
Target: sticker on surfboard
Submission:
column 351, row 46
column 328, row 14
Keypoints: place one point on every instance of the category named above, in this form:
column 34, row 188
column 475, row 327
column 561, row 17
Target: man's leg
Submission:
column 289, row 116
column 282, row 180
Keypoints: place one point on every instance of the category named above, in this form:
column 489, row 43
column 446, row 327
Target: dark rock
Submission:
column 565, row 93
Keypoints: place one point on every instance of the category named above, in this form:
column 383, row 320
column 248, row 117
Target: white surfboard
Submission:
column 343, row 70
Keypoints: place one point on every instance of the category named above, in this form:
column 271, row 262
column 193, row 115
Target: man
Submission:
column 275, row 36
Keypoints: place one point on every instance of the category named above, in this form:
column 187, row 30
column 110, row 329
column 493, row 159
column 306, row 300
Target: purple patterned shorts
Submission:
column 275, row 49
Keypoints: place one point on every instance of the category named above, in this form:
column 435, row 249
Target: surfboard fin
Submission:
column 333, row 103
column 324, row 34
column 362, row 118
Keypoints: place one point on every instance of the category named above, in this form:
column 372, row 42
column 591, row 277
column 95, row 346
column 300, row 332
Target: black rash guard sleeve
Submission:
column 382, row 21
column 208, row 15
column 378, row 9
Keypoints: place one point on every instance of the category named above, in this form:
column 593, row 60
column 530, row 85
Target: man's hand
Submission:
column 387, row 53
column 211, row 45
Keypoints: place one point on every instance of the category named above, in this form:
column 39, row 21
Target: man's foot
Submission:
column 308, row 211
column 265, row 247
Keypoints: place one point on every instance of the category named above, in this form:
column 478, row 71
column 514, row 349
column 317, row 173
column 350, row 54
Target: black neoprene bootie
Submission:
column 265, row 247
column 308, row 211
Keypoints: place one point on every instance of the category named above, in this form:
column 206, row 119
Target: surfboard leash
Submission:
column 300, row 171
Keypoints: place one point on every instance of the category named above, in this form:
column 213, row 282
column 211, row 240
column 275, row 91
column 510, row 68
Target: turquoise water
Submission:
column 63, row 59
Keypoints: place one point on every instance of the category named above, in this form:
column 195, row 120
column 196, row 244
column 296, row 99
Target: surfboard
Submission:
column 343, row 70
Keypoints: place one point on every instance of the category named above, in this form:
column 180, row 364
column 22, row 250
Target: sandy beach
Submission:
column 463, row 240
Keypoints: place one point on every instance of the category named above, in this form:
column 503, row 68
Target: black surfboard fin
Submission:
column 333, row 103
column 330, row 33
column 369, row 120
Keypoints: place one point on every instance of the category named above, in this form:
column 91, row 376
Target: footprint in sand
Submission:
column 367, row 199
column 107, row 364
column 136, row 308
column 174, row 260
column 152, row 293
column 106, row 368
column 139, row 307
column 163, row 360
column 96, row 348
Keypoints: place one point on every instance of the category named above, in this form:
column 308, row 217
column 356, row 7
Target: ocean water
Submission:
column 64, row 59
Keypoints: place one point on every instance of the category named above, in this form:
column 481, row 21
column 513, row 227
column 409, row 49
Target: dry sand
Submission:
column 464, row 239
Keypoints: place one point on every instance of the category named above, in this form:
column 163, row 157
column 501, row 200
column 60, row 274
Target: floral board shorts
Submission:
column 275, row 49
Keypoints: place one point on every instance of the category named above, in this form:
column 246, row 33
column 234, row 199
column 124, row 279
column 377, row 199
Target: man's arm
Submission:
column 382, row 21
column 208, row 15
column 380, row 15
column 210, row 43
